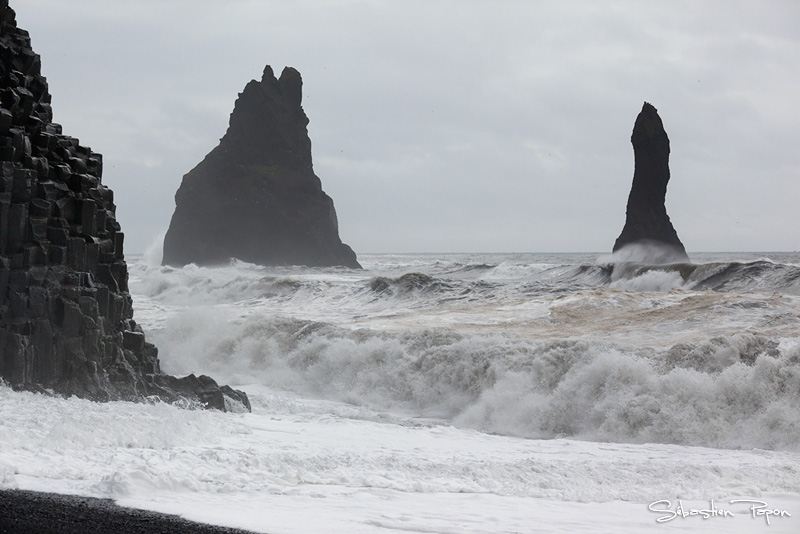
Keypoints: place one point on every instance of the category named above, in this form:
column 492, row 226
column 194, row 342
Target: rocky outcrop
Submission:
column 66, row 316
column 647, row 222
column 255, row 197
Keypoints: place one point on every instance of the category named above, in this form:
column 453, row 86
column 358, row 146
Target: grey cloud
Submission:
column 450, row 126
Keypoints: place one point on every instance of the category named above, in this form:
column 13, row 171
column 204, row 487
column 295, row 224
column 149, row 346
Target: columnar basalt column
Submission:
column 66, row 316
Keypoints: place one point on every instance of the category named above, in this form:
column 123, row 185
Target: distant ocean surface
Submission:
column 451, row 393
column 531, row 345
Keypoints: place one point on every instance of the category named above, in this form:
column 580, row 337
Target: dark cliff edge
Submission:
column 255, row 196
column 647, row 225
column 66, row 316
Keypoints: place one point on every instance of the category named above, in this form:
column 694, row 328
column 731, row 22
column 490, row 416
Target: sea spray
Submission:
column 532, row 346
column 745, row 395
column 657, row 281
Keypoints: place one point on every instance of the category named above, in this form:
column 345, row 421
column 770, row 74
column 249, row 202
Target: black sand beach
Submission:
column 28, row 512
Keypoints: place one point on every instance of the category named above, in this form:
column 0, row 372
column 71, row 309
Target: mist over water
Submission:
column 530, row 345
column 645, row 252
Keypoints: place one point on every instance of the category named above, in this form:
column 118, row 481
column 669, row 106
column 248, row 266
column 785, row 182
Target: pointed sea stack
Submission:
column 255, row 197
column 647, row 222
column 66, row 316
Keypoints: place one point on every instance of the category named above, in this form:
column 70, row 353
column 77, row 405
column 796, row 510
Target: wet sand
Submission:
column 28, row 512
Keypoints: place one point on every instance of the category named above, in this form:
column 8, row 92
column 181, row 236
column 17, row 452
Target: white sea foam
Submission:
column 508, row 270
column 734, row 392
column 365, row 471
column 544, row 350
column 650, row 281
column 410, row 396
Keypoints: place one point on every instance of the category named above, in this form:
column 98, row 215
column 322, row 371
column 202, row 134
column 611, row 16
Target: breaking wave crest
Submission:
column 687, row 353
column 760, row 275
column 293, row 287
column 740, row 391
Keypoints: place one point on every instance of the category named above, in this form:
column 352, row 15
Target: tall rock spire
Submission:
column 646, row 221
column 255, row 196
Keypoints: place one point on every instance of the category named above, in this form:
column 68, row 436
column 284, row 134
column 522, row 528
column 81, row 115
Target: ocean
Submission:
column 451, row 393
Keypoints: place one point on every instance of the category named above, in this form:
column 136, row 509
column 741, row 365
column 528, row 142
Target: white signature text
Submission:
column 756, row 509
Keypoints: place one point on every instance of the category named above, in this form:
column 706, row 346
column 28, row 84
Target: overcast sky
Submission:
column 452, row 125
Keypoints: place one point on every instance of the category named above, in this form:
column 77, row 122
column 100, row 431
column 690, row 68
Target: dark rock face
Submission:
column 647, row 222
column 255, row 197
column 66, row 316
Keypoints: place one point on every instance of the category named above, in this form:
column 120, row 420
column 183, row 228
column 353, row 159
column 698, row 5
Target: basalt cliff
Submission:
column 255, row 196
column 66, row 316
column 647, row 223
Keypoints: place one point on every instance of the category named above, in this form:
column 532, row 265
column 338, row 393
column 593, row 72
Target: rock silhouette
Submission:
column 255, row 196
column 66, row 316
column 647, row 222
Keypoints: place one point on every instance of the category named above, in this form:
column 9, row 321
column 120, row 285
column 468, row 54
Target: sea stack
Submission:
column 647, row 222
column 255, row 196
column 66, row 316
